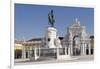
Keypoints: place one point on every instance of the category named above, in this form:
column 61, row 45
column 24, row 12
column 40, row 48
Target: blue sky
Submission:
column 31, row 21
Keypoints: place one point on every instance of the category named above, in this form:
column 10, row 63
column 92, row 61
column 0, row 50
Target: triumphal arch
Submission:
column 77, row 39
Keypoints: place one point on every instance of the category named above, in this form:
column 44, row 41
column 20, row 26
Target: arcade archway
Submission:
column 76, row 45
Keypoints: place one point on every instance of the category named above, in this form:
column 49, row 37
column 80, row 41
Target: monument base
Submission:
column 51, row 38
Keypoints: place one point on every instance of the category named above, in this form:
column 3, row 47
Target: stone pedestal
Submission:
column 51, row 37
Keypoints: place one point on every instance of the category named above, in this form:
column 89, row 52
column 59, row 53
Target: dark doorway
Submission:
column 76, row 45
column 18, row 54
column 87, row 51
column 92, row 51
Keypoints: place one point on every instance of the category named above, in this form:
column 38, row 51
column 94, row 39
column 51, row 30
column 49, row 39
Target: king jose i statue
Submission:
column 51, row 19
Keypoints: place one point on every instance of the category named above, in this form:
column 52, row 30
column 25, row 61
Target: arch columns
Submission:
column 89, row 48
column 70, row 48
column 83, row 48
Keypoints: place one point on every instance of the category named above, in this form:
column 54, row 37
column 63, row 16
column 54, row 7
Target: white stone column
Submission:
column 89, row 49
column 30, row 57
column 70, row 43
column 23, row 52
column 69, row 52
column 35, row 53
column 82, row 48
column 28, row 52
column 57, row 52
column 65, row 51
column 39, row 51
column 71, row 48
column 85, row 48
